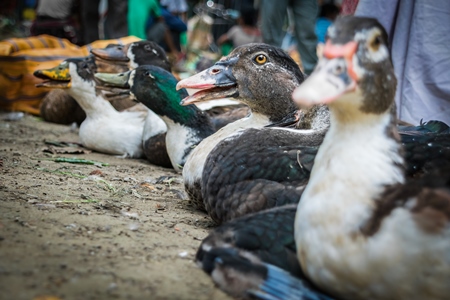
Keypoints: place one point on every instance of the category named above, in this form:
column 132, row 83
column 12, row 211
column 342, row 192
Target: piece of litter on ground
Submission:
column 93, row 178
column 112, row 286
column 183, row 254
column 133, row 226
column 148, row 186
column 130, row 215
column 97, row 173
column 66, row 150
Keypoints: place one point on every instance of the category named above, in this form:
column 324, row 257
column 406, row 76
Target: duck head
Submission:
column 258, row 75
column 133, row 55
column 355, row 73
column 155, row 88
column 71, row 72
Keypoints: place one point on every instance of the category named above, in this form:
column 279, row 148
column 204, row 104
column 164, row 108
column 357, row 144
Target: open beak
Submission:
column 112, row 52
column 333, row 76
column 217, row 82
column 57, row 77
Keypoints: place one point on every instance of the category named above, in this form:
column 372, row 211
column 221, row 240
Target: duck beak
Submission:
column 112, row 52
column 114, row 80
column 333, row 76
column 217, row 82
column 58, row 77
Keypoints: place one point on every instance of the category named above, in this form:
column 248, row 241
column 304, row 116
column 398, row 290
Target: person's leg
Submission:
column 305, row 15
column 89, row 20
column 273, row 15
column 116, row 25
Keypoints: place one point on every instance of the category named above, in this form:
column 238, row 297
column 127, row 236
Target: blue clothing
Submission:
column 173, row 22
column 420, row 49
column 322, row 25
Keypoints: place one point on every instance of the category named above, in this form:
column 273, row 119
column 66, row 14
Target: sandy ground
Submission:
column 76, row 231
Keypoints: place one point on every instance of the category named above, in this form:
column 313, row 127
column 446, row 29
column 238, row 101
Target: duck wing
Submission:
column 247, row 254
column 427, row 147
column 257, row 169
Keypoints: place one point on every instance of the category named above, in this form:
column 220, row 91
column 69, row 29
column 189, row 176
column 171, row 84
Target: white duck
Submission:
column 361, row 231
column 105, row 129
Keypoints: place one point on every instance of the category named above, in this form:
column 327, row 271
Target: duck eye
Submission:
column 261, row 59
column 376, row 42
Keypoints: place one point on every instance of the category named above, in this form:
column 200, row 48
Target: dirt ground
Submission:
column 77, row 231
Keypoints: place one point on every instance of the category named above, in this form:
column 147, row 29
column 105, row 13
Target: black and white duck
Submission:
column 105, row 129
column 236, row 251
column 258, row 75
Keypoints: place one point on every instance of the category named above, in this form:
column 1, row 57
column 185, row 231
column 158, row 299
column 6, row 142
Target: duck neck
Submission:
column 274, row 110
column 187, row 126
column 91, row 102
column 359, row 157
column 166, row 104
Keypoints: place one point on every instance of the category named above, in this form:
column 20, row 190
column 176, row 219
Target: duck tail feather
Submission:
column 281, row 285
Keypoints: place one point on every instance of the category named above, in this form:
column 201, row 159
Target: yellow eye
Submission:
column 375, row 43
column 261, row 59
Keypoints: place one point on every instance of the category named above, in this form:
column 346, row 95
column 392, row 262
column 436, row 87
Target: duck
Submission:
column 154, row 87
column 365, row 250
column 59, row 107
column 262, row 77
column 105, row 129
column 229, row 258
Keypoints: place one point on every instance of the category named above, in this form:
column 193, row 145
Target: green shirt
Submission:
column 138, row 13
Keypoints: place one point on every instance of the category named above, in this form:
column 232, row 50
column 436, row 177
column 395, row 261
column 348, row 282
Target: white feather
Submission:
column 400, row 261
column 105, row 129
column 193, row 169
